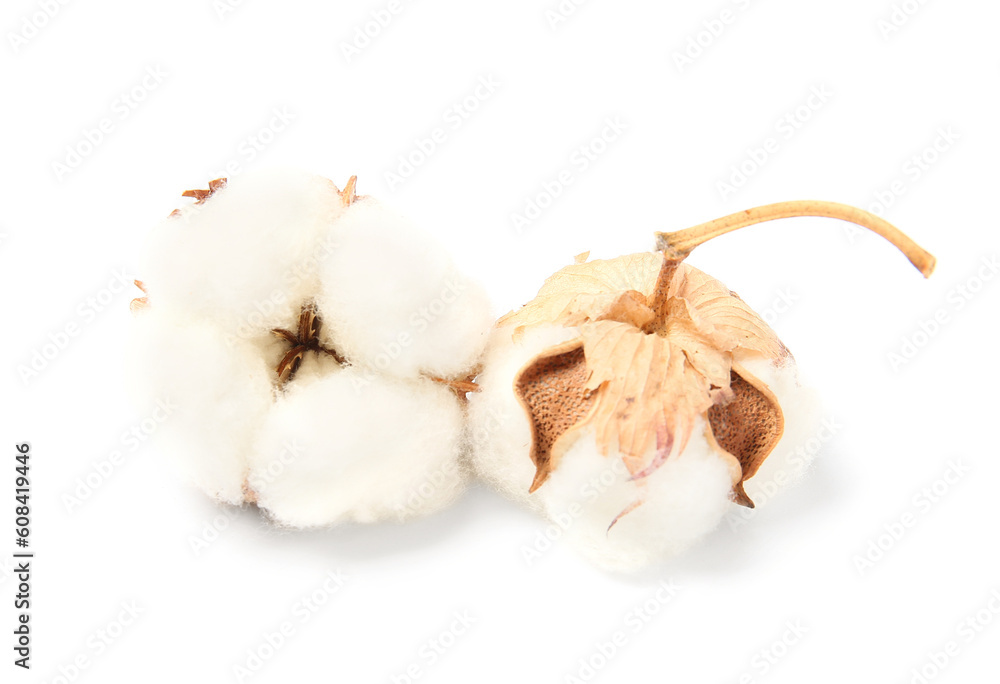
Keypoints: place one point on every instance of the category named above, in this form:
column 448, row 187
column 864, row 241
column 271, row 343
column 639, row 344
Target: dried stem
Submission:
column 659, row 299
column 679, row 244
column 460, row 386
column 348, row 194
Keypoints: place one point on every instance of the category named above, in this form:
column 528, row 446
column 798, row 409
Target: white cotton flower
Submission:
column 280, row 399
column 402, row 306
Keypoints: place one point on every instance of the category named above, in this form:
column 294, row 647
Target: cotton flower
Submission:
column 271, row 302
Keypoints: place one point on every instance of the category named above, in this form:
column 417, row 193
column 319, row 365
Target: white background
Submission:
column 855, row 302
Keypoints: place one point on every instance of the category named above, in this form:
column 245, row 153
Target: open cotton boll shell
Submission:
column 393, row 300
column 356, row 447
column 802, row 410
column 218, row 389
column 683, row 500
column 247, row 256
column 498, row 427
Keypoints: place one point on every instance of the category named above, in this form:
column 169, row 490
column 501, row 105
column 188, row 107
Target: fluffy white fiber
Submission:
column 498, row 427
column 402, row 306
column 219, row 393
column 361, row 441
column 326, row 447
column 684, row 499
column 247, row 256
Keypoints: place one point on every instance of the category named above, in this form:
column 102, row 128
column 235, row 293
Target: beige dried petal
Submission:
column 722, row 316
column 649, row 383
column 574, row 289
column 652, row 358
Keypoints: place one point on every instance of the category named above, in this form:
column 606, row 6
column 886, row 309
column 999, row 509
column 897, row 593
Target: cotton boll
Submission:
column 683, row 500
column 357, row 446
column 394, row 301
column 498, row 427
column 246, row 257
column 217, row 388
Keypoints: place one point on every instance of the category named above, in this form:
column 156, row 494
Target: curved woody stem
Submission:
column 677, row 245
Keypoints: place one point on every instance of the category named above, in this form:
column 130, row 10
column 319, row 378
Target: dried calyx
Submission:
column 658, row 353
column 306, row 338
